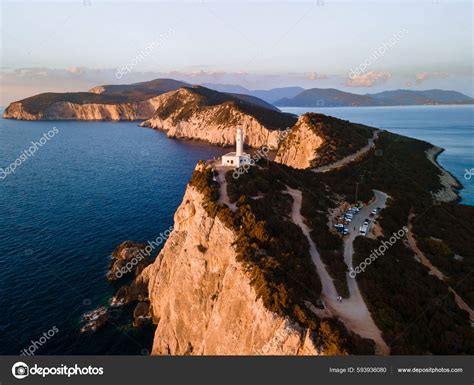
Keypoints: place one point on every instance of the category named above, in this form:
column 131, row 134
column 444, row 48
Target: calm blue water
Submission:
column 92, row 186
column 96, row 184
column 449, row 127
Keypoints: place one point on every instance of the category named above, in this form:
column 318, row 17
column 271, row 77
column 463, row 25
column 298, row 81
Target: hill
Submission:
column 330, row 97
column 326, row 97
column 201, row 113
column 107, row 102
column 270, row 96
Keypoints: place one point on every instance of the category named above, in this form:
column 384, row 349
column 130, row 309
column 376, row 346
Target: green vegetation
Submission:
column 444, row 232
column 415, row 311
column 435, row 248
column 397, row 166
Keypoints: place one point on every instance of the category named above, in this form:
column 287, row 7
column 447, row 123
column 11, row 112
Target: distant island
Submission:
column 330, row 97
column 138, row 101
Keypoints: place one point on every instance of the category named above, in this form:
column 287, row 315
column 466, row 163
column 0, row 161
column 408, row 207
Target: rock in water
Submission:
column 128, row 257
column 95, row 319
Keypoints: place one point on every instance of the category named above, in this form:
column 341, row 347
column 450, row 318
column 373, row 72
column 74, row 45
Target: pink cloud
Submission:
column 423, row 76
column 368, row 79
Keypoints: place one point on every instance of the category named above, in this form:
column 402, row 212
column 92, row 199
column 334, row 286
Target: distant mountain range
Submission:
column 331, row 97
column 270, row 96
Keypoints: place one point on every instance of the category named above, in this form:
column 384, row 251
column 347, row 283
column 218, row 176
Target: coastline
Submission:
column 452, row 185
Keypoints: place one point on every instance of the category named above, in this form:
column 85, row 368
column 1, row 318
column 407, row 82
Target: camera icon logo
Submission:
column 20, row 370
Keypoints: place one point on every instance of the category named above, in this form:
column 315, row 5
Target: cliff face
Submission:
column 201, row 297
column 319, row 141
column 299, row 148
column 184, row 114
column 88, row 111
column 17, row 111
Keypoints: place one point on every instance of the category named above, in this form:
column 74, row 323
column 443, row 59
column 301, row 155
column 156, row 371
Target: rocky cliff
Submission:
column 107, row 102
column 65, row 110
column 299, row 148
column 319, row 140
column 201, row 297
column 200, row 113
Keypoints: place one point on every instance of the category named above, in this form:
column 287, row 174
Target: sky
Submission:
column 357, row 46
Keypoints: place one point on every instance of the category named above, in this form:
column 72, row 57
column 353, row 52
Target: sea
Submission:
column 88, row 186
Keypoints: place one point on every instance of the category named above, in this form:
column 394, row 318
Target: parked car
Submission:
column 339, row 226
column 366, row 221
column 345, row 231
column 363, row 230
column 374, row 211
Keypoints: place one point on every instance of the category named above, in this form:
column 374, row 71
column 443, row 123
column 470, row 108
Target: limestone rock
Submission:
column 203, row 303
column 300, row 146
column 183, row 114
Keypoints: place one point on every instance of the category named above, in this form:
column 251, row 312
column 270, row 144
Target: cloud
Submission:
column 316, row 76
column 31, row 72
column 423, row 76
column 75, row 70
column 368, row 79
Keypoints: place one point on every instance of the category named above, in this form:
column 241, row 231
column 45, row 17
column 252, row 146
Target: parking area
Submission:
column 349, row 221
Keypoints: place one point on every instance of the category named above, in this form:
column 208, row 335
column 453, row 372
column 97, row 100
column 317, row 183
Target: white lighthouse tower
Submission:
column 239, row 157
column 239, row 145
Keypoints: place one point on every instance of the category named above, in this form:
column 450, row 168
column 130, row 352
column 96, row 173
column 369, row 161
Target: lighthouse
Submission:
column 239, row 145
column 239, row 157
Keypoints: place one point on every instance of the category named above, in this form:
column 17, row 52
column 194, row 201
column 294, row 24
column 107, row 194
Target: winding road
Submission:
column 352, row 311
column 349, row 158
column 223, row 196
